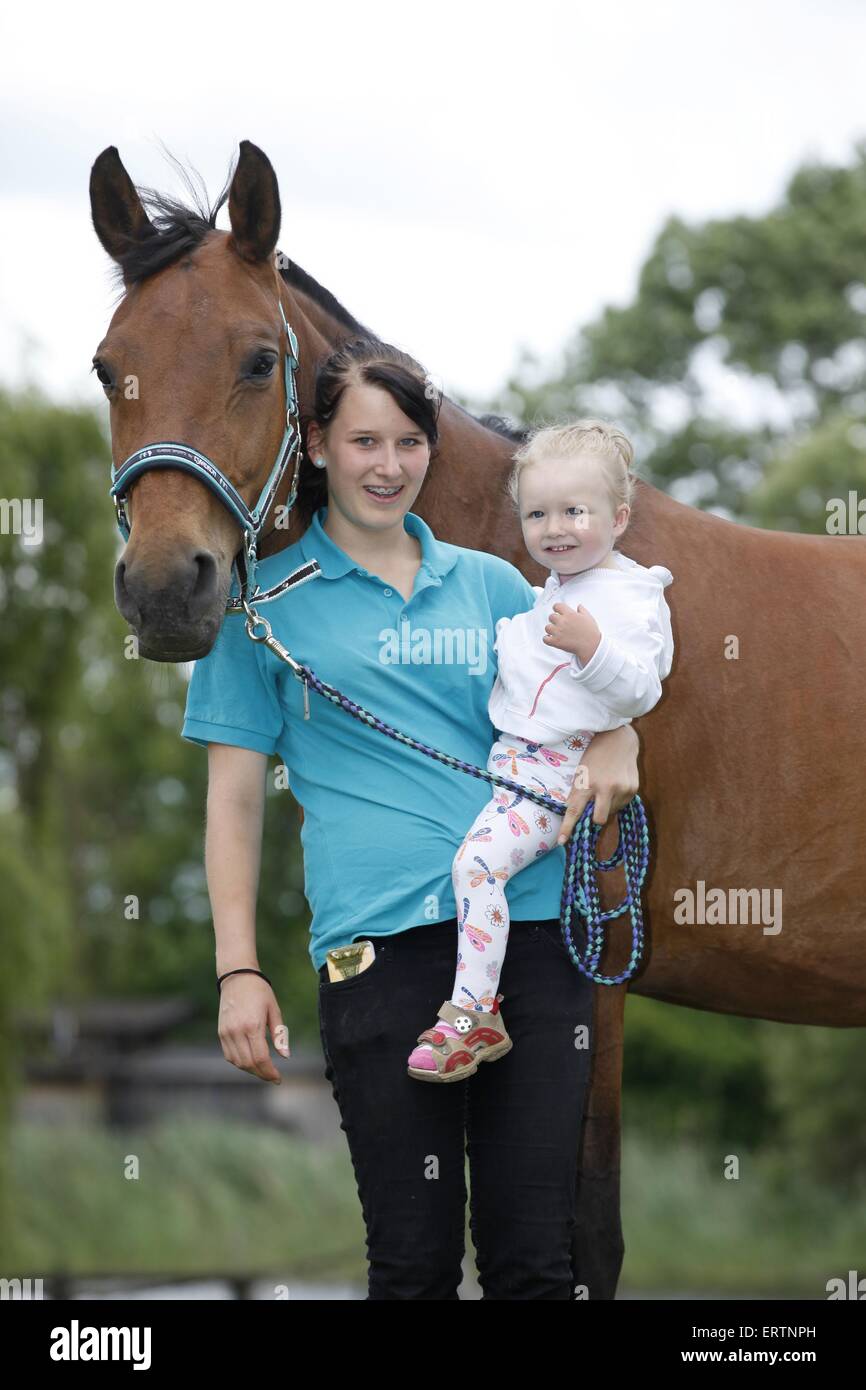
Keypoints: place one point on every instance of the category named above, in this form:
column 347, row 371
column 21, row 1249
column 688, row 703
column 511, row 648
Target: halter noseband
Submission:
column 171, row 454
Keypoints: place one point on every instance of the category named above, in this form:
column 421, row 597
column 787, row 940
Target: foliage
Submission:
column 745, row 340
column 101, row 801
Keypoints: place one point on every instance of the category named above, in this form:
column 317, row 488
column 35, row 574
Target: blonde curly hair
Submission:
column 580, row 437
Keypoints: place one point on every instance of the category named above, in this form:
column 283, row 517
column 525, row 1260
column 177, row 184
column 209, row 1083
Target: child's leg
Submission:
column 479, row 875
column 481, row 867
column 509, row 833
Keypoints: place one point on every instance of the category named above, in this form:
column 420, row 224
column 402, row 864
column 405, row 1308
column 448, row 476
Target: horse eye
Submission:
column 102, row 373
column 263, row 364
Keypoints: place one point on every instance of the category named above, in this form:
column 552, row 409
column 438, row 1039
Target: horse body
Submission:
column 752, row 767
column 751, row 761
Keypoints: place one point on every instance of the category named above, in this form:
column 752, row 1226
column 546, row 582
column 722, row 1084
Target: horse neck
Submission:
column 662, row 531
column 641, row 536
column 463, row 497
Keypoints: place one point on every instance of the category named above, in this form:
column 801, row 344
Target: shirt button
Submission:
column 387, row 592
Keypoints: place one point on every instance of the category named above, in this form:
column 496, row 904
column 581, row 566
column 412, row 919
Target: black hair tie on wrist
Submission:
column 242, row 970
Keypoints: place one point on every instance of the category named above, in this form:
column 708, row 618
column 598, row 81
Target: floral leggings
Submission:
column 509, row 833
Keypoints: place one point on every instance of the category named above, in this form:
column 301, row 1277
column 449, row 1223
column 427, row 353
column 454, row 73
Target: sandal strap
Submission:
column 450, row 1053
column 432, row 1035
column 463, row 1019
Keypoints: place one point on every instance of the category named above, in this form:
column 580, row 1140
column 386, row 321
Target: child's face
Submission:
column 567, row 515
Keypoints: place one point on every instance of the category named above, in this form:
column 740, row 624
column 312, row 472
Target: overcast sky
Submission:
column 465, row 177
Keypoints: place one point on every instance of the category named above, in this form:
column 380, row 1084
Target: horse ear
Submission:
column 254, row 205
column 119, row 218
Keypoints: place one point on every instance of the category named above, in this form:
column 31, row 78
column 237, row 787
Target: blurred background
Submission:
column 655, row 213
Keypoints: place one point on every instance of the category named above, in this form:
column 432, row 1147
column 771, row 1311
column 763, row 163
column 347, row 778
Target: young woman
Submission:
column 404, row 625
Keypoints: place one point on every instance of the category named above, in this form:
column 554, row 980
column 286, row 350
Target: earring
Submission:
column 319, row 463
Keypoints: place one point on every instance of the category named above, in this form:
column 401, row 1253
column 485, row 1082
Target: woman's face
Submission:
column 377, row 458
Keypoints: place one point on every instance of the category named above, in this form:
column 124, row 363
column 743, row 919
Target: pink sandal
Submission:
column 459, row 1040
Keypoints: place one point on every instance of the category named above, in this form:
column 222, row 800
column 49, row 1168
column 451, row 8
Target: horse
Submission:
column 750, row 763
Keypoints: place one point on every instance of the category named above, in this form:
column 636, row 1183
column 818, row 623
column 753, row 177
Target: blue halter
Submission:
column 171, row 454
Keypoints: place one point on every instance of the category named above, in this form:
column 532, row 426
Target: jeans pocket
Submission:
column 329, row 987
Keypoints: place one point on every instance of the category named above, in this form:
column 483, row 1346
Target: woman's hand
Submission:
column 612, row 780
column 247, row 1006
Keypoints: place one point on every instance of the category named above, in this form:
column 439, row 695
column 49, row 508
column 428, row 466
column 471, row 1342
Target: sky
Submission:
column 469, row 179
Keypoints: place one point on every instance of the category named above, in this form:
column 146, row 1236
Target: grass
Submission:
column 198, row 1198
column 770, row 1232
column 189, row 1198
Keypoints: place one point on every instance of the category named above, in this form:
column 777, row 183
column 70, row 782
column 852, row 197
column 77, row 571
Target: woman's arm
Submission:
column 233, row 845
column 611, row 775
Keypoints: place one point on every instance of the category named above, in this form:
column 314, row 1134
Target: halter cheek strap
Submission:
column 174, row 454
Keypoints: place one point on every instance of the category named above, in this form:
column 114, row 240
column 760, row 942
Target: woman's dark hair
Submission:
column 364, row 362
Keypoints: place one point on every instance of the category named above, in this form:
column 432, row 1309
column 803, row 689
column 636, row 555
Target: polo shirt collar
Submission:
column 436, row 557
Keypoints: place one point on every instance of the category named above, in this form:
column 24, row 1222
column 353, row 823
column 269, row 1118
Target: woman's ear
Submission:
column 314, row 440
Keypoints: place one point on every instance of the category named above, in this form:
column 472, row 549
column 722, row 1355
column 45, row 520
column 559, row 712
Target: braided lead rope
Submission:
column 579, row 889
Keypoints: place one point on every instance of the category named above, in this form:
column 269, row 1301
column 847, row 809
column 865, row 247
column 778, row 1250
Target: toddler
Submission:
column 589, row 656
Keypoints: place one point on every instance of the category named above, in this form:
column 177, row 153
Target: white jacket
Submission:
column 544, row 694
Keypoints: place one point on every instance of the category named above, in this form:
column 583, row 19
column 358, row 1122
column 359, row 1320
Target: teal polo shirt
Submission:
column 382, row 822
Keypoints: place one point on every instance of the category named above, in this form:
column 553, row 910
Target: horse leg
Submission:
column 597, row 1246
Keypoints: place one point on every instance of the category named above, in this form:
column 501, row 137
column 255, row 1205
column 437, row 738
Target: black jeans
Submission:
column 519, row 1117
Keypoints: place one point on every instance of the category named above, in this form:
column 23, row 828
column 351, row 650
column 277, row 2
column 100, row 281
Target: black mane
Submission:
column 518, row 434
column 300, row 280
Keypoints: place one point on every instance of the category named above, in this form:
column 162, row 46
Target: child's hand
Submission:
column 573, row 630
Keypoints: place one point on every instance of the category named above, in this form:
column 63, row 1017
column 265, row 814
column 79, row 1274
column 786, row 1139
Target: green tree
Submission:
column 776, row 304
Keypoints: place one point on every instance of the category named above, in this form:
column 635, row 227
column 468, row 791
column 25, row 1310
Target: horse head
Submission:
column 194, row 353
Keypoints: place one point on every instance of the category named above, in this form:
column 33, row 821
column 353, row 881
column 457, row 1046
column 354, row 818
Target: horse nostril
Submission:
column 204, row 585
column 127, row 602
